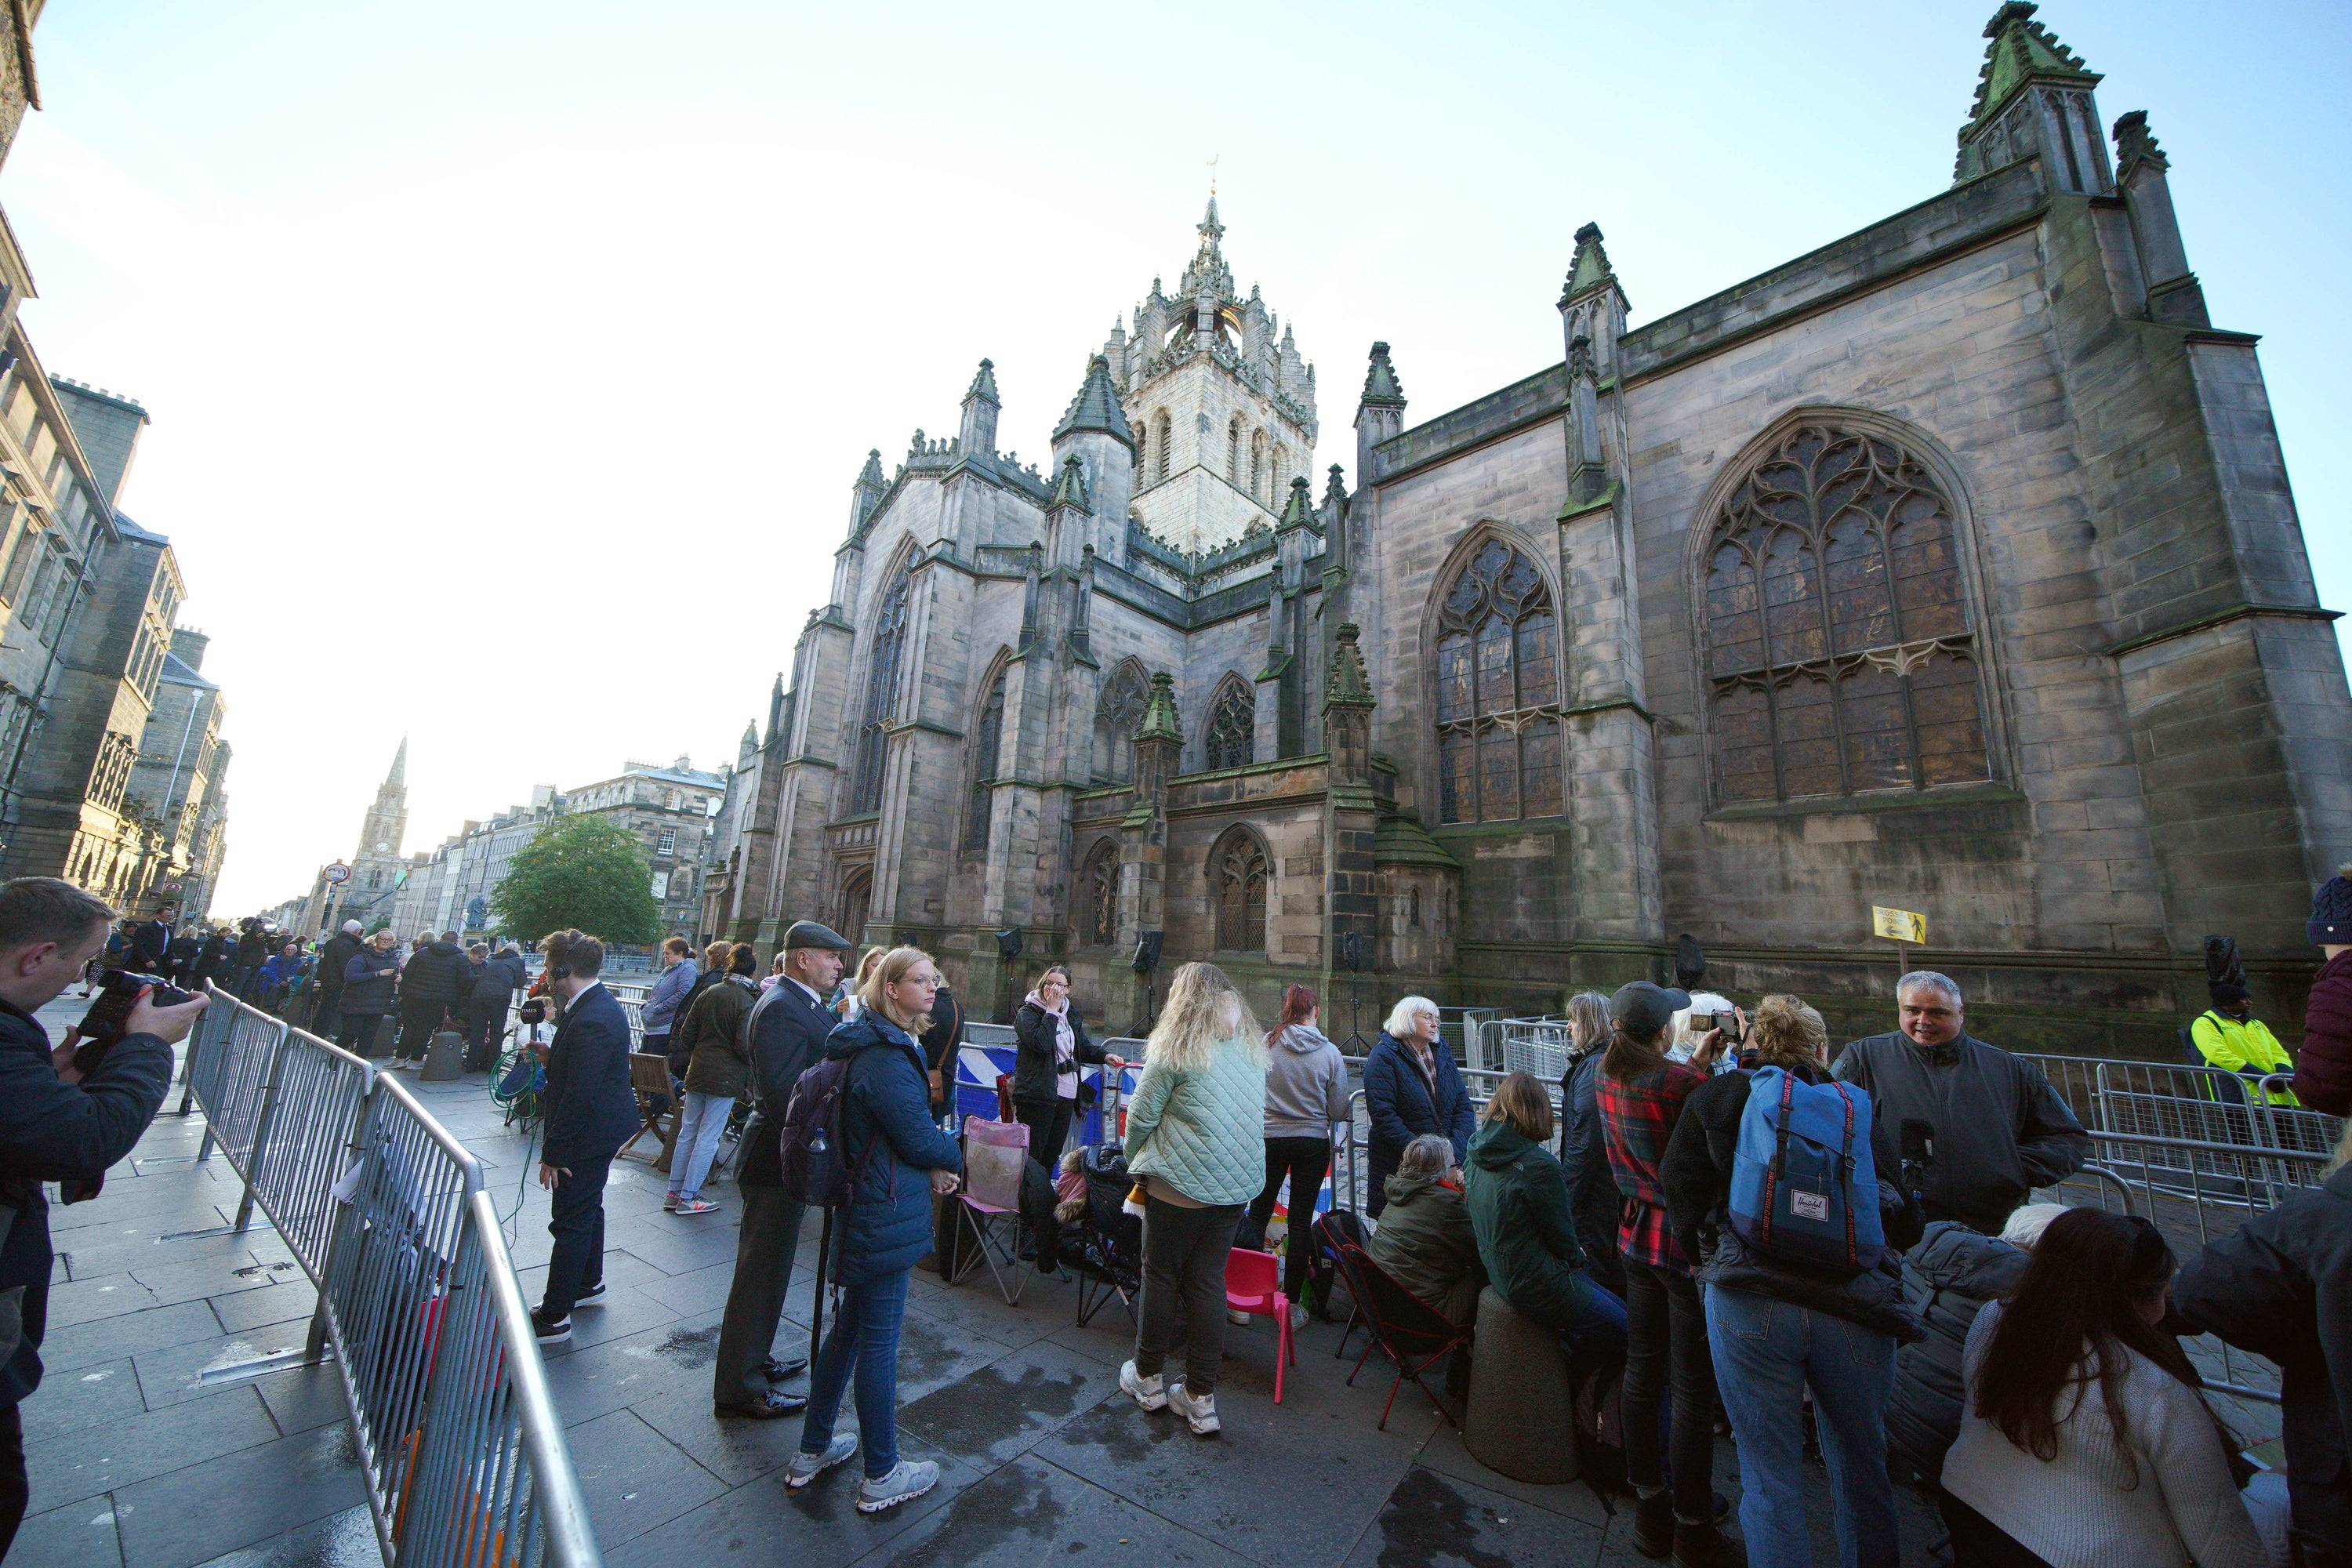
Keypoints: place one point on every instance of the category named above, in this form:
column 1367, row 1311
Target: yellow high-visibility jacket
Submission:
column 2248, row 1049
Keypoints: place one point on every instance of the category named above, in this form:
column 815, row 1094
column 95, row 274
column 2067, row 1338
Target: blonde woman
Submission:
column 898, row 1158
column 1194, row 1138
column 853, row 998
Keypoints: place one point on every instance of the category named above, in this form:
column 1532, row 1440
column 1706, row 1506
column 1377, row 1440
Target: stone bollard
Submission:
column 445, row 1056
column 1521, row 1418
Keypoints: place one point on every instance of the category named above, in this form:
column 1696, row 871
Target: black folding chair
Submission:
column 1111, row 1260
column 1407, row 1330
column 1338, row 1228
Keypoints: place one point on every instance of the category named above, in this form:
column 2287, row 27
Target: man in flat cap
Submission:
column 787, row 1029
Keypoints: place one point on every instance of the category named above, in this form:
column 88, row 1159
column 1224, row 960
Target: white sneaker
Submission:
column 1200, row 1414
column 806, row 1468
column 910, row 1480
column 1239, row 1320
column 1297, row 1317
column 1146, row 1392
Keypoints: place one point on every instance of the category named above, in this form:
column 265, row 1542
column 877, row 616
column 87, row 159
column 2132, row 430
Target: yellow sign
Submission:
column 1898, row 925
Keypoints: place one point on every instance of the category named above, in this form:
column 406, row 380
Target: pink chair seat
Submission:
column 1253, row 1285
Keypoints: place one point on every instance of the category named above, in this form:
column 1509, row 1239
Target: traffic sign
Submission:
column 338, row 873
column 1898, row 925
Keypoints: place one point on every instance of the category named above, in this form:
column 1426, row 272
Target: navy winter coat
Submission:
column 1947, row 1280
column 591, row 1108
column 888, row 1137
column 368, row 980
column 1399, row 1101
column 51, row 1131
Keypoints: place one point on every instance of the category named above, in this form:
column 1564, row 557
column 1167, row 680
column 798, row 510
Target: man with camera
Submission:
column 1980, row 1128
column 65, row 1114
column 590, row 1111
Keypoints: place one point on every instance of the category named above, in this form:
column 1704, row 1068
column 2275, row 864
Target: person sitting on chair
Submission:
column 1425, row 1239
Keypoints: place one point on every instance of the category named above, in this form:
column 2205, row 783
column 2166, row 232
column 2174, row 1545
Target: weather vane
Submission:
column 1212, row 173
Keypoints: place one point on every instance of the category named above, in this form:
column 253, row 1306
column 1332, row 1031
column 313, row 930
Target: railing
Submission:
column 463, row 1453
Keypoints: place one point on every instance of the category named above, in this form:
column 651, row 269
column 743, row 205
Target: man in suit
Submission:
column 151, row 942
column 787, row 1028
column 590, row 1111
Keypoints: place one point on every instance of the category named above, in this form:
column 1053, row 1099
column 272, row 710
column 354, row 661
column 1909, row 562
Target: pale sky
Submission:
column 511, row 363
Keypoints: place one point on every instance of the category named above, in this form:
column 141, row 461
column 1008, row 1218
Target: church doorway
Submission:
column 857, row 898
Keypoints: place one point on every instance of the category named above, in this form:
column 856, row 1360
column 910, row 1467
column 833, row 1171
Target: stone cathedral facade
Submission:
column 1951, row 567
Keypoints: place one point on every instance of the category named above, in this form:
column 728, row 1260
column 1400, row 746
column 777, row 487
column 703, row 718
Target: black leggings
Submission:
column 1665, row 1344
column 1049, row 1127
column 1304, row 1161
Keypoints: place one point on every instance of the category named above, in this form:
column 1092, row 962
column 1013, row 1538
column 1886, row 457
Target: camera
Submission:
column 1918, row 1151
column 108, row 1020
column 1729, row 1024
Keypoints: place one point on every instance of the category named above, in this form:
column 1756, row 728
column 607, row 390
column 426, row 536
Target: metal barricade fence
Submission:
column 463, row 1453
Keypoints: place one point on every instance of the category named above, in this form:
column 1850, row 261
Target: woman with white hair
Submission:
column 1411, row 1087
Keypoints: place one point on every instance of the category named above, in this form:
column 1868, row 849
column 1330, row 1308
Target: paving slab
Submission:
column 635, row 1477
column 99, row 1340
column 1433, row 1519
column 1029, row 1511
column 344, row 1540
column 78, row 1535
column 95, row 1459
column 89, row 1397
column 194, row 1514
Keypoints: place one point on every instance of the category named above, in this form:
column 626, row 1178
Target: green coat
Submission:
column 1424, row 1238
column 713, row 1031
column 1203, row 1132
column 1519, row 1206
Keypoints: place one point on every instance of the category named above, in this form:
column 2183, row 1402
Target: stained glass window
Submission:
column 1498, row 726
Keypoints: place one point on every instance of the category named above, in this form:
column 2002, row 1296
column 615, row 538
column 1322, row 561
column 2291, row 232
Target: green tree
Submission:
column 583, row 872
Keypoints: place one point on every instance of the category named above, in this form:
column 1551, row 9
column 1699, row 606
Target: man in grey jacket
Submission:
column 1998, row 1129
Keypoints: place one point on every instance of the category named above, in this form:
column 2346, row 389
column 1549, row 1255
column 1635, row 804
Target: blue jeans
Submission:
column 699, row 1127
column 1599, row 1330
column 865, row 1332
column 1766, row 1352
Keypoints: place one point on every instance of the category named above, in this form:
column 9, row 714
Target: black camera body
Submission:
column 108, row 1020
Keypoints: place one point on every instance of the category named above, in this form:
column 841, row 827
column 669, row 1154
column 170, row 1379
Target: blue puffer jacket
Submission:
column 888, row 1224
column 1401, row 1108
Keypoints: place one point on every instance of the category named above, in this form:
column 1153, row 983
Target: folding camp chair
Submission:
column 1334, row 1230
column 1405, row 1329
column 996, row 1158
column 1254, row 1286
column 1111, row 1252
column 649, row 1076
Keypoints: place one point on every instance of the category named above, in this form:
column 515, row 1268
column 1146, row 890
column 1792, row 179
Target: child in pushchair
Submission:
column 1101, row 1242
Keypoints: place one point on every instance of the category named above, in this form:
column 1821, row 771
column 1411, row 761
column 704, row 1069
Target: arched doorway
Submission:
column 857, row 898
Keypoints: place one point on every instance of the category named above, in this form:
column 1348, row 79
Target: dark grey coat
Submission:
column 1946, row 1278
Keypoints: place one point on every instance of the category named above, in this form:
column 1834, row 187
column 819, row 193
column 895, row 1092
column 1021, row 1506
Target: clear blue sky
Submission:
column 516, row 356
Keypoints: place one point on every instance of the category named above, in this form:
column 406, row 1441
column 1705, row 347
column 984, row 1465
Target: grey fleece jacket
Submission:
column 1305, row 1084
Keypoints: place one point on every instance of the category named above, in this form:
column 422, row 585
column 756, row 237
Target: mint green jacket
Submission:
column 1203, row 1132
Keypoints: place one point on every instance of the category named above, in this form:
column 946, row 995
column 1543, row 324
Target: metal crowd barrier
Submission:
column 462, row 1452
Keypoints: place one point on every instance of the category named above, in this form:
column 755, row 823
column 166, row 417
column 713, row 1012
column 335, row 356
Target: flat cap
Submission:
column 810, row 933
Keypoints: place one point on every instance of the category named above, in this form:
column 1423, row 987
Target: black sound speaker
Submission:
column 1008, row 943
column 1355, row 952
column 1147, row 952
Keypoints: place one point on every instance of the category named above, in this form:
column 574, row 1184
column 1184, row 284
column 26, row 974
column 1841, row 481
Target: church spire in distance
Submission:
column 398, row 779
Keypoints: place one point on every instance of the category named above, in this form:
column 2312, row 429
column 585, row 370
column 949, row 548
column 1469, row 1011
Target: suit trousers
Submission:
column 576, row 1220
column 419, row 1017
column 765, row 1247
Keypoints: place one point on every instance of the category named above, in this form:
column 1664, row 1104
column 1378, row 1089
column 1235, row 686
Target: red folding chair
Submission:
column 1406, row 1329
column 1253, row 1284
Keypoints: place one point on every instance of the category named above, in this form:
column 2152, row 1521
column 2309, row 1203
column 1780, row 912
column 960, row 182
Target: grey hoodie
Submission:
column 1305, row 1085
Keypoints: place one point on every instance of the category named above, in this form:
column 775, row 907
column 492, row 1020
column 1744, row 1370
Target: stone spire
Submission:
column 1380, row 412
column 396, row 781
column 1589, row 269
column 1347, row 710
column 1095, row 408
column 1299, row 511
column 2008, row 122
column 1592, row 303
column 1070, row 488
column 1381, row 388
column 2142, row 172
column 866, row 493
column 977, row 437
column 1158, row 739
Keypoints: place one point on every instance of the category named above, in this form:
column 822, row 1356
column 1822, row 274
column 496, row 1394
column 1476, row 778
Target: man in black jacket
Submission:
column 590, row 1111
column 434, row 983
column 494, row 981
column 334, row 956
column 151, row 942
column 213, row 961
column 57, row 1125
column 788, row 1029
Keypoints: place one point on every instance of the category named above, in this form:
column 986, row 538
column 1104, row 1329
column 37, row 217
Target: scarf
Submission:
column 1065, row 1044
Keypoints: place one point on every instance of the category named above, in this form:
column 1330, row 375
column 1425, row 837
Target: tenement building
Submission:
column 1952, row 567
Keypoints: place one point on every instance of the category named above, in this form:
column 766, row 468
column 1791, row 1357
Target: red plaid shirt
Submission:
column 1637, row 1117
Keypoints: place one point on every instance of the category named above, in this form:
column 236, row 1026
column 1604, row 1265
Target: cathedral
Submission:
column 1951, row 567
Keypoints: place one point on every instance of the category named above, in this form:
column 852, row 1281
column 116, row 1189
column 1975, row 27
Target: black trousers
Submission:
column 15, row 1489
column 765, row 1247
column 357, row 1031
column 1304, row 1161
column 1184, row 1254
column 419, row 1016
column 1049, row 1127
column 485, row 1024
column 1666, row 1345
column 576, row 1220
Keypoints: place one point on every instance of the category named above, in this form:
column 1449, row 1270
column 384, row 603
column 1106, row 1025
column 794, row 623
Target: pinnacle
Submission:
column 1070, row 488
column 1211, row 230
column 1381, row 388
column 1095, row 408
column 1590, row 268
column 1299, row 511
column 2020, row 49
column 984, row 384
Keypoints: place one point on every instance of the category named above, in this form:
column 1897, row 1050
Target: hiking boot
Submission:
column 910, row 1480
column 1653, row 1523
column 1200, row 1411
column 806, row 1467
column 1704, row 1546
column 1146, row 1392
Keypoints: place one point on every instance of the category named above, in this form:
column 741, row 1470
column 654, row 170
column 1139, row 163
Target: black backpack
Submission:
column 815, row 1167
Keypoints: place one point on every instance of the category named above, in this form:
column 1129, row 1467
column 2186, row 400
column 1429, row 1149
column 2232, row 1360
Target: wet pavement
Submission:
column 139, row 1461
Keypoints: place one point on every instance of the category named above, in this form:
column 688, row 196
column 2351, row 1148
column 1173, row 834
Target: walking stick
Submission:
column 816, row 1311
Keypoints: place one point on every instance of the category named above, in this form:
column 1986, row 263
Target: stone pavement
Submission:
column 136, row 1463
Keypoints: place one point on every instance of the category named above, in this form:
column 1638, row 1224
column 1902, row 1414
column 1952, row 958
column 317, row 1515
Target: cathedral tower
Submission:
column 1221, row 403
column 375, row 870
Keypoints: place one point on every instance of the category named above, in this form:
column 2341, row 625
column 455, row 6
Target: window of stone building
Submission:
column 1231, row 740
column 857, row 901
column 1160, row 442
column 1498, row 726
column 1098, row 895
column 881, row 694
column 668, row 843
column 1839, row 653
column 1257, row 465
column 1237, row 877
column 1121, row 710
column 1412, row 910
column 988, row 736
column 1233, row 451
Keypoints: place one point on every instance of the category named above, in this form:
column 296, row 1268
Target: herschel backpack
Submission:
column 815, row 1165
column 1804, row 1188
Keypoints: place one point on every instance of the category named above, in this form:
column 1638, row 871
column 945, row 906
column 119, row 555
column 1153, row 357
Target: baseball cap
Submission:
column 1644, row 1009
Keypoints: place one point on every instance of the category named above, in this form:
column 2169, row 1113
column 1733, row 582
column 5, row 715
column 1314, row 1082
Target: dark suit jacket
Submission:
column 591, row 1108
column 788, row 1034
column 148, row 943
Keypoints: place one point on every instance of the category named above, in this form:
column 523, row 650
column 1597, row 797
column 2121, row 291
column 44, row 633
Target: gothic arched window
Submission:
column 1116, row 717
column 1238, row 876
column 1231, row 739
column 1257, row 465
column 1098, row 895
column 1839, row 652
column 1160, row 441
column 986, row 735
column 881, row 694
column 1498, row 729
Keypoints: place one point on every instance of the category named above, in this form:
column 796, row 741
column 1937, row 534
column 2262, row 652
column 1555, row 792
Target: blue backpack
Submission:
column 1803, row 1186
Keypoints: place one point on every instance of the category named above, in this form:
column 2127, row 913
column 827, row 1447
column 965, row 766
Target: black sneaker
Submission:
column 548, row 1333
column 592, row 1297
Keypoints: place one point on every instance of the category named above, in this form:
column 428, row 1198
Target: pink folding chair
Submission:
column 996, row 1155
column 1253, row 1284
